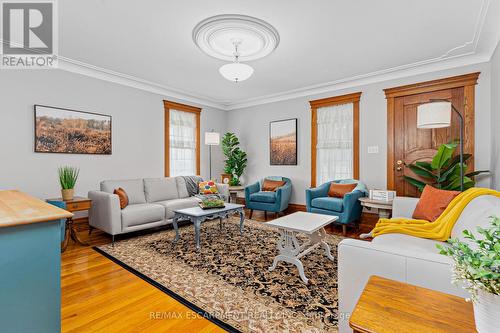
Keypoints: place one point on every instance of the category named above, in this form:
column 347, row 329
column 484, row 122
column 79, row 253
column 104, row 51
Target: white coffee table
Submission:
column 197, row 215
column 310, row 224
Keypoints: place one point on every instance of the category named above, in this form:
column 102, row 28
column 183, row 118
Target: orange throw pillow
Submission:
column 339, row 190
column 272, row 185
column 123, row 197
column 432, row 203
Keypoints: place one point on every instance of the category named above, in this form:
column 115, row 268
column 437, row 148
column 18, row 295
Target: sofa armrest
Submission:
column 404, row 206
column 358, row 260
column 253, row 188
column 105, row 212
column 223, row 189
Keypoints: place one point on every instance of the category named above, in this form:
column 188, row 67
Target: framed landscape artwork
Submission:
column 283, row 142
column 67, row 131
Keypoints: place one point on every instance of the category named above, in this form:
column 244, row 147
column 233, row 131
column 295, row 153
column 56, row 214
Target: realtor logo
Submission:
column 28, row 34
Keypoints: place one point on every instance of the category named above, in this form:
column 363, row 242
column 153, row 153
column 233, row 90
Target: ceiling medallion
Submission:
column 235, row 38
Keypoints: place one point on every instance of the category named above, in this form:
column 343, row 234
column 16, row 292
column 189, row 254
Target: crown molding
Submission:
column 361, row 80
column 459, row 56
column 100, row 73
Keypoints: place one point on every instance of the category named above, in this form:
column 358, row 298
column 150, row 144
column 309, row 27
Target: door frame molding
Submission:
column 468, row 81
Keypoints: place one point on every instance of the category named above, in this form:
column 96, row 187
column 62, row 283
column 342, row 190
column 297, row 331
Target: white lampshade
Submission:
column 434, row 115
column 212, row 138
column 236, row 71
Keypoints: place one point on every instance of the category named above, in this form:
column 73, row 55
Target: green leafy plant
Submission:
column 477, row 262
column 443, row 171
column 68, row 176
column 236, row 159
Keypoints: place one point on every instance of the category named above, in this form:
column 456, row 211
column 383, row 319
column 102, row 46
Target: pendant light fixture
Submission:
column 236, row 71
column 235, row 38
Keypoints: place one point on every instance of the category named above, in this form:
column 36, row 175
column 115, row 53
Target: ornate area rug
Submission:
column 228, row 280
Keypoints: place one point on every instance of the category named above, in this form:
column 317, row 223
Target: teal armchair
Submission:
column 60, row 204
column 348, row 209
column 276, row 202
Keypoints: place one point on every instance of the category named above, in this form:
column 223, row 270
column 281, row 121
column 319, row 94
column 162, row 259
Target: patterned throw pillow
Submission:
column 208, row 187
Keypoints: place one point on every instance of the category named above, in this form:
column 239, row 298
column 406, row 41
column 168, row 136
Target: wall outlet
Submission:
column 372, row 149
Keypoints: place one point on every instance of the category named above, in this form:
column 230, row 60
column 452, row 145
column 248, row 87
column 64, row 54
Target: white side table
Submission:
column 310, row 224
column 384, row 207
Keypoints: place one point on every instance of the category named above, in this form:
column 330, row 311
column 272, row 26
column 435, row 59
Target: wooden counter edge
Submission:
column 47, row 212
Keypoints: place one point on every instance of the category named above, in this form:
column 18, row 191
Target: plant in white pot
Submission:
column 476, row 264
column 67, row 178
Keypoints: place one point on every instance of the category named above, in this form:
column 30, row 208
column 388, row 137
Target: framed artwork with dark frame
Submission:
column 283, row 142
column 66, row 131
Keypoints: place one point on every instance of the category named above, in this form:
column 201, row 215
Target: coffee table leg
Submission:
column 176, row 227
column 242, row 219
column 289, row 248
column 197, row 224
column 319, row 237
column 220, row 223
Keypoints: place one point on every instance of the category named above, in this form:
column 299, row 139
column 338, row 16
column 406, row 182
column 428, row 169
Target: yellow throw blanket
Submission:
column 439, row 229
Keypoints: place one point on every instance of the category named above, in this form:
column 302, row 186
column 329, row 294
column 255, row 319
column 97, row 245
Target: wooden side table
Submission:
column 390, row 306
column 78, row 204
column 233, row 192
column 384, row 207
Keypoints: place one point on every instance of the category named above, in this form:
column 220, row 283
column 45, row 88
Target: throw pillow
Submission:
column 208, row 187
column 123, row 197
column 339, row 190
column 432, row 203
column 272, row 185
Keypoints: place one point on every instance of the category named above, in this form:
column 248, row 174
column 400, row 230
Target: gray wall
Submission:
column 137, row 131
column 495, row 115
column 252, row 126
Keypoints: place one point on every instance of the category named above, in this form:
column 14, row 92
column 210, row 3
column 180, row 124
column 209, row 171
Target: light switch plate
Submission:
column 372, row 149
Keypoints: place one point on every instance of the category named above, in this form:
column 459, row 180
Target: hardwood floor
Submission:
column 100, row 296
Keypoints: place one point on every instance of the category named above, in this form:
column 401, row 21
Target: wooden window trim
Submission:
column 353, row 98
column 468, row 81
column 168, row 105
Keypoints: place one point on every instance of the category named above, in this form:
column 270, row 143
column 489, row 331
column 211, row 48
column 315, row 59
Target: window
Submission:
column 335, row 138
column 182, row 139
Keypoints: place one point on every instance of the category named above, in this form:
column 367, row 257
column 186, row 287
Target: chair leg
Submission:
column 276, row 215
column 90, row 229
column 251, row 212
column 265, row 215
column 344, row 229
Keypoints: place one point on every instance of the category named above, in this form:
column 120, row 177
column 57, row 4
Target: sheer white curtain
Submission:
column 334, row 150
column 182, row 143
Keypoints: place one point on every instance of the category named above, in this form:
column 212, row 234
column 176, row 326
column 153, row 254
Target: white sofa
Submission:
column 152, row 202
column 404, row 258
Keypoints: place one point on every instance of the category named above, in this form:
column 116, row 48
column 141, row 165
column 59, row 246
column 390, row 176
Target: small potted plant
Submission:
column 67, row 178
column 476, row 264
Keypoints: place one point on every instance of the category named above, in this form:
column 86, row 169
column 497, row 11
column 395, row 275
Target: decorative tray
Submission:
column 202, row 206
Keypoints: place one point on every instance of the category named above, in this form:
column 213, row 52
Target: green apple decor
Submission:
column 236, row 159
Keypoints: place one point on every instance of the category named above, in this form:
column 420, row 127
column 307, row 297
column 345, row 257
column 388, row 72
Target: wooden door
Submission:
column 408, row 144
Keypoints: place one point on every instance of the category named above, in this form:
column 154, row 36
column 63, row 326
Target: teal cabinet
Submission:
column 30, row 278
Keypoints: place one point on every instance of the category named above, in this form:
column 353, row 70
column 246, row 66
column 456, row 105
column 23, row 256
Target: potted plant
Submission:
column 476, row 264
column 443, row 171
column 67, row 178
column 236, row 159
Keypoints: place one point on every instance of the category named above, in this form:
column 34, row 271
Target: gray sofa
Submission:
column 152, row 202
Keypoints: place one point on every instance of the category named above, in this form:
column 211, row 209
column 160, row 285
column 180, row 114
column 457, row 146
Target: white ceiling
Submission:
column 323, row 42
